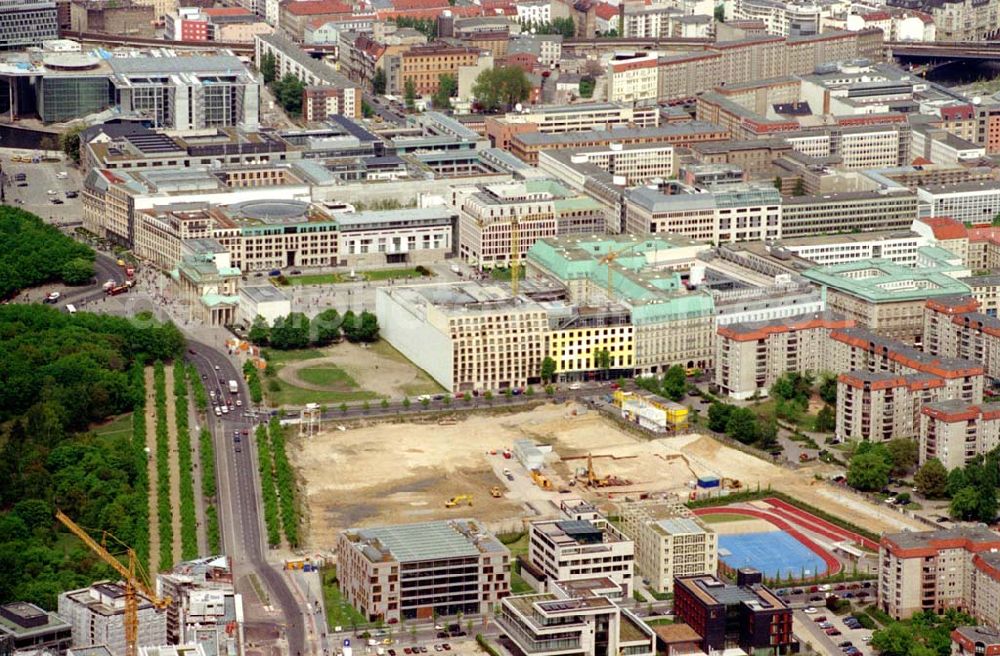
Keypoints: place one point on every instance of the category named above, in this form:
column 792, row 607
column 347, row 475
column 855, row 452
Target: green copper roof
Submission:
column 882, row 281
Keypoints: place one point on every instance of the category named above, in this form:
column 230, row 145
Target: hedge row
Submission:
column 197, row 388
column 212, row 529
column 268, row 495
column 141, row 460
column 163, row 507
column 253, row 381
column 285, row 481
column 189, row 518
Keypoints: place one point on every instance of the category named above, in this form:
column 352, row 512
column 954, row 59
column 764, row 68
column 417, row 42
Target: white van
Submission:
column 71, row 308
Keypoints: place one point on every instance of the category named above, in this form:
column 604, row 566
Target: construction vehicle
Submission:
column 541, row 480
column 495, row 492
column 135, row 578
column 593, row 480
column 459, row 500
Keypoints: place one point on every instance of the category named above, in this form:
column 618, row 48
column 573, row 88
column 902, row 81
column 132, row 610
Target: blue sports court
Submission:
column 773, row 553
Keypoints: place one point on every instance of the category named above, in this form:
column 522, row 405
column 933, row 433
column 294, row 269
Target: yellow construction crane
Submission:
column 515, row 255
column 611, row 257
column 135, row 579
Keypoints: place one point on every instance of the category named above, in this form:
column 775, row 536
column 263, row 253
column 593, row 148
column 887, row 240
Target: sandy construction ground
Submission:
column 398, row 472
column 743, row 526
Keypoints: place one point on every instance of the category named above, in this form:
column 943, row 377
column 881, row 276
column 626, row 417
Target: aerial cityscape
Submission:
column 499, row 327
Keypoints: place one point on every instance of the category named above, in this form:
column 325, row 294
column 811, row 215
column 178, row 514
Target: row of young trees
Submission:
column 33, row 253
column 140, row 461
column 272, row 521
column 284, row 479
column 253, row 381
column 206, row 453
column 164, row 511
column 189, row 518
column 297, row 331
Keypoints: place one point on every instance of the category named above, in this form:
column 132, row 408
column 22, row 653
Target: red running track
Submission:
column 810, row 519
column 833, row 565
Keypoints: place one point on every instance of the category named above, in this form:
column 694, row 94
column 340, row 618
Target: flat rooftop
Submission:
column 882, row 281
column 939, row 537
column 407, row 543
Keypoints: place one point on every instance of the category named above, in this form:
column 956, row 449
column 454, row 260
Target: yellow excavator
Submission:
column 135, row 578
column 459, row 500
column 541, row 480
column 593, row 480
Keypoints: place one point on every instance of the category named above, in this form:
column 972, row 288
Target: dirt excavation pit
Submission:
column 387, row 473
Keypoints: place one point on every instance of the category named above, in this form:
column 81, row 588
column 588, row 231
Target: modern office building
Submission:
column 27, row 628
column 939, row 570
column 970, row 202
column 97, row 617
column 867, row 211
column 582, row 616
column 578, row 549
column 728, row 214
column 27, row 23
column 669, row 543
column 418, row 571
column 746, row 615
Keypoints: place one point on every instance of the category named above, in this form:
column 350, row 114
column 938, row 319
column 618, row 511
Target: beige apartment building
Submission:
column 749, row 357
column 955, row 432
column 877, row 406
column 937, row 570
column 956, row 327
column 419, row 571
column 633, row 77
column 669, row 543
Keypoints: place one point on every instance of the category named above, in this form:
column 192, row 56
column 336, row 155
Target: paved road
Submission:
column 240, row 520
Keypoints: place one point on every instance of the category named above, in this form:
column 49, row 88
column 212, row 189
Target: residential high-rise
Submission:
column 669, row 543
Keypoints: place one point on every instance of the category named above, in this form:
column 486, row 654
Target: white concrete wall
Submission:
column 422, row 343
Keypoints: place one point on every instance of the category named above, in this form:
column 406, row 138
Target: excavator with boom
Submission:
column 593, row 480
column 136, row 582
column 459, row 500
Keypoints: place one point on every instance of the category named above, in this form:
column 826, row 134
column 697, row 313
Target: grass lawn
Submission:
column 504, row 274
column 518, row 585
column 290, row 395
column 722, row 518
column 338, row 611
column 328, row 375
column 426, row 384
column 316, row 279
column 804, row 421
column 278, row 358
column 385, row 274
column 518, row 547
column 661, row 621
column 120, row 425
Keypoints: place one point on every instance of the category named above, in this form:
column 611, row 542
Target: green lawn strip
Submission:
column 284, row 479
column 328, row 375
column 141, row 460
column 338, row 611
column 120, row 425
column 267, row 494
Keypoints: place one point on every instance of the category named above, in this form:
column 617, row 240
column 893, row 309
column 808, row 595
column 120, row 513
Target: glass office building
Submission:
column 67, row 98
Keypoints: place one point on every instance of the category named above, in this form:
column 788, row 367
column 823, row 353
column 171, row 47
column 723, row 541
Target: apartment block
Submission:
column 581, row 616
column 578, row 549
column 419, row 571
column 327, row 90
column 424, row 65
column 528, row 145
column 938, row 570
column 747, row 615
column 539, row 208
column 955, row 327
column 877, row 406
column 782, row 18
column 750, row 357
column 97, row 617
column 321, row 102
column 558, row 119
column 632, row 77
column 669, row 543
column 27, row 23
column 955, row 432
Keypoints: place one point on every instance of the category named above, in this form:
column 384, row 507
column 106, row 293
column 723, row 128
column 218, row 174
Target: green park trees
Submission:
column 501, row 88
column 33, row 253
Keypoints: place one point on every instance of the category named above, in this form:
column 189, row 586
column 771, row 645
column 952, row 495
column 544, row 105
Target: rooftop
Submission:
column 882, row 281
column 263, row 294
column 583, row 137
column 966, row 534
column 425, row 541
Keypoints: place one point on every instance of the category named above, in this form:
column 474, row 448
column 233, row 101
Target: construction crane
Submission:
column 515, row 255
column 611, row 257
column 136, row 582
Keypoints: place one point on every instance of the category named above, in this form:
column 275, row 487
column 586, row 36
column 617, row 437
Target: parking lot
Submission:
column 40, row 178
column 832, row 634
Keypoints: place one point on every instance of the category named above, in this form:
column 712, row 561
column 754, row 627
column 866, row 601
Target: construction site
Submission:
column 505, row 468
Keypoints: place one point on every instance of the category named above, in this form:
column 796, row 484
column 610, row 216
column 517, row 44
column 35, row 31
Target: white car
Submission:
column 218, row 412
column 575, row 386
column 809, row 610
column 239, row 403
column 62, row 175
column 52, row 192
column 225, row 409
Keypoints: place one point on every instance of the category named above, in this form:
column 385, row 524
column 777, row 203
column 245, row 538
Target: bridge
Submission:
column 943, row 51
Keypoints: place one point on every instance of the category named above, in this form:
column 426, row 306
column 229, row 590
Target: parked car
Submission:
column 809, row 610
